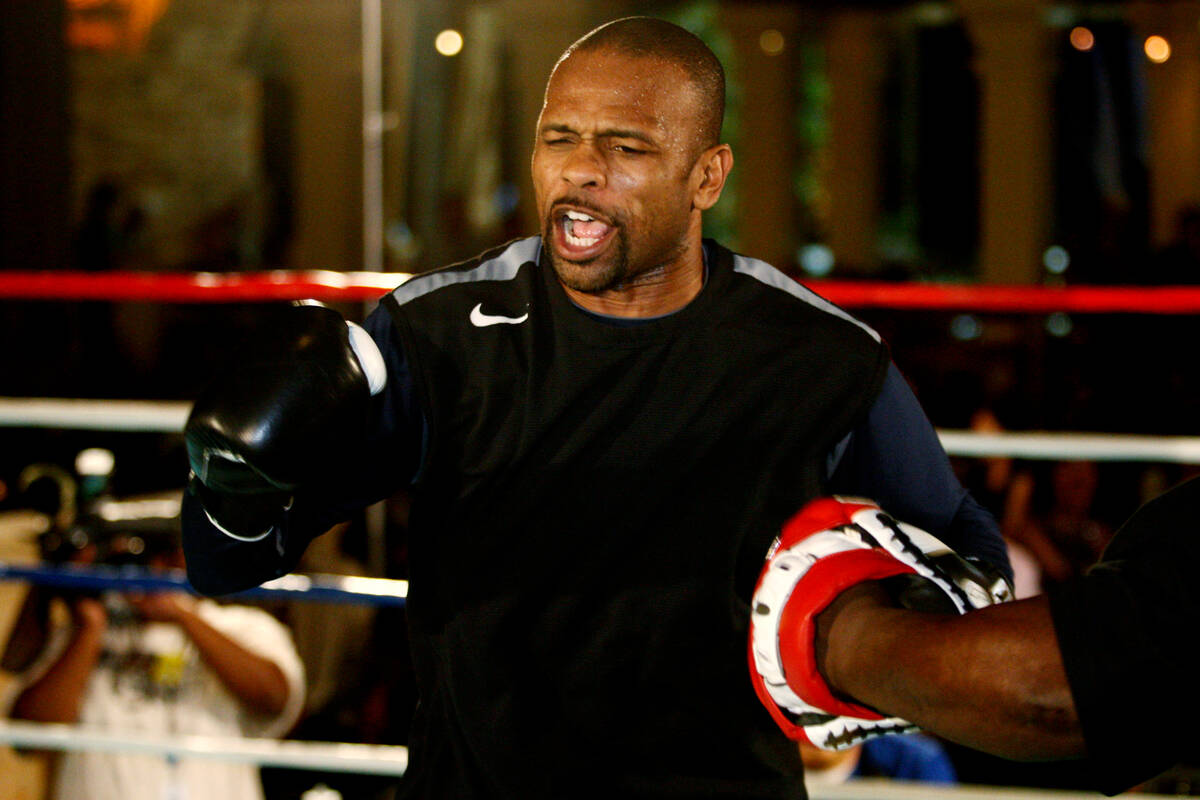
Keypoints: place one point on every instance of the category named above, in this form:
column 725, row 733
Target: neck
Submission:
column 653, row 293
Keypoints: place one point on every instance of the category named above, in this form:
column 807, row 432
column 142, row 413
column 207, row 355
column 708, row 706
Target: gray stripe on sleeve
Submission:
column 502, row 267
column 765, row 273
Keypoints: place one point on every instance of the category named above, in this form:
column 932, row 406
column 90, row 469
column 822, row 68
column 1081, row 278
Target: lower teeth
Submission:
column 578, row 241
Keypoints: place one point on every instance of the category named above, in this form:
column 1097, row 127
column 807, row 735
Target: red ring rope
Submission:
column 213, row 287
column 197, row 287
column 1023, row 299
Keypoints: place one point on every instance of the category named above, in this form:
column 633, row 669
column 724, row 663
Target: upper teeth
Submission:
column 578, row 216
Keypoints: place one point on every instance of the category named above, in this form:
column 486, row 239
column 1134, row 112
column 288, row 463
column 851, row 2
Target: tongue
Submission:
column 588, row 230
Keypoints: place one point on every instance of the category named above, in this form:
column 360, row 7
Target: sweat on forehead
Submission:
column 650, row 38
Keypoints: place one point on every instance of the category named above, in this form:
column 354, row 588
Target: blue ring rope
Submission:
column 315, row 588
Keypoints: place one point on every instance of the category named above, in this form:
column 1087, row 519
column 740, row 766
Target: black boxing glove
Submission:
column 286, row 413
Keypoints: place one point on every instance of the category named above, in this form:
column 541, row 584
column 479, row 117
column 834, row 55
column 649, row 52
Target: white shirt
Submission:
column 151, row 680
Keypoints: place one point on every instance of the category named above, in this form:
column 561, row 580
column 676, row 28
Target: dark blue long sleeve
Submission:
column 894, row 457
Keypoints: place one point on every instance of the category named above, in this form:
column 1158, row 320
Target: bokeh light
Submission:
column 1157, row 49
column 966, row 327
column 1082, row 39
column 449, row 42
column 1056, row 259
column 816, row 260
column 1059, row 325
column 771, row 41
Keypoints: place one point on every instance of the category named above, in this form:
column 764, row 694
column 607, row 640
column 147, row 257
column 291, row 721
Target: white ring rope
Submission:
column 169, row 417
column 887, row 789
column 360, row 759
column 1073, row 446
column 150, row 416
column 371, row 759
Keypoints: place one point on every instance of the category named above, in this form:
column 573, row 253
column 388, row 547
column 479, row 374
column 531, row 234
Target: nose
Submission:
column 584, row 167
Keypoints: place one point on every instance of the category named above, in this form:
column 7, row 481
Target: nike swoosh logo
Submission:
column 482, row 320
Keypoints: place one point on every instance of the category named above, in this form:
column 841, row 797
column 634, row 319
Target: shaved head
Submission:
column 650, row 38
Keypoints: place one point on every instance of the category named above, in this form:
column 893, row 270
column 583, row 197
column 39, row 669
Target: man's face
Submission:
column 612, row 168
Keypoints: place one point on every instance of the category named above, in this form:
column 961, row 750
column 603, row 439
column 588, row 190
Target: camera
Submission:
column 117, row 532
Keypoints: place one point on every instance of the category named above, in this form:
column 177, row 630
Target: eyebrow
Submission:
column 607, row 133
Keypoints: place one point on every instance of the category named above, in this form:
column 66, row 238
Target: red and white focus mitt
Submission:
column 830, row 545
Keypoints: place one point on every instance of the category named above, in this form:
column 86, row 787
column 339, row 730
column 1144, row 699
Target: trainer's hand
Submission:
column 161, row 606
column 832, row 545
column 88, row 614
column 288, row 412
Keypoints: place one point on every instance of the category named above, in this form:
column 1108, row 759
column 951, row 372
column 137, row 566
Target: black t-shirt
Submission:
column 1129, row 632
column 590, row 516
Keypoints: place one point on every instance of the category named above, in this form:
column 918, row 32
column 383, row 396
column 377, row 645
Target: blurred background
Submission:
column 978, row 141
column 955, row 140
column 984, row 142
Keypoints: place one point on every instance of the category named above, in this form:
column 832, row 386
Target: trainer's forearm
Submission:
column 57, row 695
column 991, row 679
column 256, row 681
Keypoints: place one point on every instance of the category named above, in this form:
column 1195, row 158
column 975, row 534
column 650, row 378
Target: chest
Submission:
column 710, row 396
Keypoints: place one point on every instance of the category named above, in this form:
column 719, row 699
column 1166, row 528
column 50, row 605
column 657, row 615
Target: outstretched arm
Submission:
column 991, row 679
column 56, row 696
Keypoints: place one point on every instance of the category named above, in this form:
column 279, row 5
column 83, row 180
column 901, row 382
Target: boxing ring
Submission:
column 136, row 416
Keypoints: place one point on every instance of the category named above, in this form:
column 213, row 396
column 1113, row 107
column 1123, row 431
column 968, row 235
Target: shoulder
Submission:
column 1163, row 524
column 501, row 264
column 772, row 288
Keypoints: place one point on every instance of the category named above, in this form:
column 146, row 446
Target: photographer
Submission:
column 160, row 663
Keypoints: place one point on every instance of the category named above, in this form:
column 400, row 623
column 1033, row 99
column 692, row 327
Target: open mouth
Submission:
column 582, row 234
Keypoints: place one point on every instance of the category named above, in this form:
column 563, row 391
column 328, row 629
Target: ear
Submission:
column 711, row 171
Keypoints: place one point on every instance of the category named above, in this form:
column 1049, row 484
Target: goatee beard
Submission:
column 592, row 276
